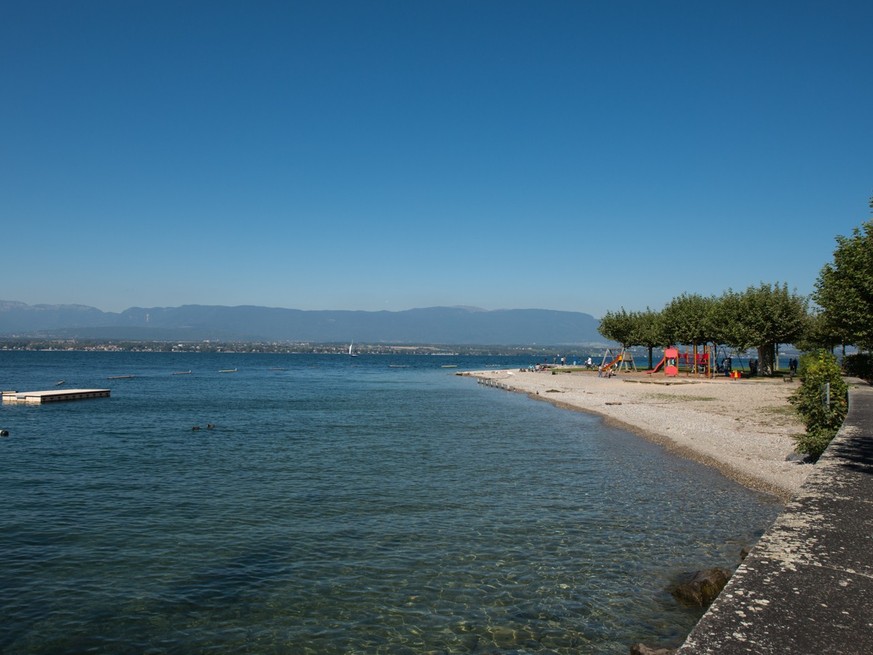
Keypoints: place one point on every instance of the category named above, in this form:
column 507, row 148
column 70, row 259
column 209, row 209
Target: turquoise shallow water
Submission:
column 338, row 506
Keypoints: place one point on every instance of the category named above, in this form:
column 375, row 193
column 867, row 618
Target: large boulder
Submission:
column 702, row 588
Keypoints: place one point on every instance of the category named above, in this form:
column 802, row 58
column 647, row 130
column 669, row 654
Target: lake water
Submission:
column 376, row 504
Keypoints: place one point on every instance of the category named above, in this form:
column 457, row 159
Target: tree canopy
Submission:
column 760, row 317
column 689, row 319
column 618, row 326
column 844, row 289
column 767, row 315
column 634, row 329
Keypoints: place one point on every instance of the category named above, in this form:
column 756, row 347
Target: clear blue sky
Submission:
column 387, row 155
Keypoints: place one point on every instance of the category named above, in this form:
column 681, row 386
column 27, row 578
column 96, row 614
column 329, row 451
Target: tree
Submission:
column 844, row 289
column 648, row 331
column 763, row 317
column 818, row 334
column 690, row 319
column 728, row 325
column 618, row 326
column 634, row 329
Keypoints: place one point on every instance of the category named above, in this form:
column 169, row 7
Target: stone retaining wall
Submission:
column 807, row 586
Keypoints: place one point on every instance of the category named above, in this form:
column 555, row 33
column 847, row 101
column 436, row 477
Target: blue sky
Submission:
column 579, row 156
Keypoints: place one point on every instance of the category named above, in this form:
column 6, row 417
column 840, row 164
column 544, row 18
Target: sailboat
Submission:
column 352, row 352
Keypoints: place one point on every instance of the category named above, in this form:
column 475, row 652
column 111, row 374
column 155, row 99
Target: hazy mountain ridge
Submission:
column 437, row 325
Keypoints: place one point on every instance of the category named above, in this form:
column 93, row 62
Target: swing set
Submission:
column 622, row 360
column 697, row 361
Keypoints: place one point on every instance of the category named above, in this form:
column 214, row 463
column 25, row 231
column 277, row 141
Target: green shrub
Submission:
column 859, row 365
column 822, row 418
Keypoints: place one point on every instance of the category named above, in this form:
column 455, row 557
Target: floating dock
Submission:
column 54, row 396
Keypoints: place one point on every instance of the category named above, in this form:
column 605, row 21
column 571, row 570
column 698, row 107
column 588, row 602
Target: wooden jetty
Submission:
column 54, row 396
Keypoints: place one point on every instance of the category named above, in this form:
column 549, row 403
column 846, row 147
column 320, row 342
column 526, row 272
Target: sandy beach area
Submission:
column 743, row 428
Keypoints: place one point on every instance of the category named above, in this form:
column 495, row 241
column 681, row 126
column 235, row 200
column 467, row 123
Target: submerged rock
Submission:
column 702, row 588
column 642, row 649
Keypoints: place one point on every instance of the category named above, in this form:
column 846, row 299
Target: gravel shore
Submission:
column 743, row 428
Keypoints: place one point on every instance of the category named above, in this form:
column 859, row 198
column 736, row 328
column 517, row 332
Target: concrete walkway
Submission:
column 807, row 586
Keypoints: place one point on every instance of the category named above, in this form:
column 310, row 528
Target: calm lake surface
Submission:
column 376, row 504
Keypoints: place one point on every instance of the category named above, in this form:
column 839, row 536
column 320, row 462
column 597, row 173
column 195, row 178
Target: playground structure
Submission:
column 708, row 360
column 696, row 362
column 621, row 360
column 670, row 362
column 727, row 361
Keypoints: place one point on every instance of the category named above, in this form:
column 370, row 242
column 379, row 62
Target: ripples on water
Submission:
column 339, row 506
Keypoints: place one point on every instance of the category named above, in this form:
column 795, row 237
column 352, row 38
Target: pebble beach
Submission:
column 744, row 428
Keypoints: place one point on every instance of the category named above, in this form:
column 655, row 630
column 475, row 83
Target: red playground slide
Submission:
column 658, row 365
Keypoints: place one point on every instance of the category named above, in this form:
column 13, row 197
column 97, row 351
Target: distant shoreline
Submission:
column 284, row 347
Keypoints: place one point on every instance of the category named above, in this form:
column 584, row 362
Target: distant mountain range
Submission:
column 432, row 325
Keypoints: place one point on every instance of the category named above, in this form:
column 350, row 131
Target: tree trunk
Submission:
column 650, row 358
column 765, row 359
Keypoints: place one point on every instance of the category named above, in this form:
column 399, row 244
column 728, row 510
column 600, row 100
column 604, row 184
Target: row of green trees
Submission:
column 839, row 312
column 760, row 317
